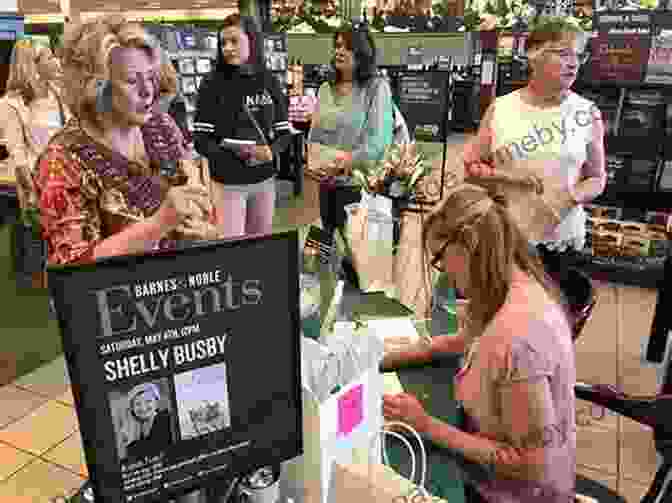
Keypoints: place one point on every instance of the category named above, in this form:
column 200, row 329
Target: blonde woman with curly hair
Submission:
column 114, row 181
column 32, row 110
column 171, row 100
column 517, row 384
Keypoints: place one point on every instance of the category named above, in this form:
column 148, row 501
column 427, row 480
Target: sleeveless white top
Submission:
column 562, row 134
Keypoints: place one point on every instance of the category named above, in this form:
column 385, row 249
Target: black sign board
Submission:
column 203, row 344
column 424, row 98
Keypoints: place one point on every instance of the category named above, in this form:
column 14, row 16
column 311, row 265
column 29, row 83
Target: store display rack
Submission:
column 193, row 52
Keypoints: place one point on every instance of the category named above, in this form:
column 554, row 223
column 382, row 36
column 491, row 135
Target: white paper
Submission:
column 392, row 331
column 392, row 384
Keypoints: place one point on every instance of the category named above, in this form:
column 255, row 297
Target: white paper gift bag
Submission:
column 339, row 429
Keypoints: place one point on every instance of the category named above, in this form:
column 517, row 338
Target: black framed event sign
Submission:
column 424, row 98
column 185, row 365
column 620, row 51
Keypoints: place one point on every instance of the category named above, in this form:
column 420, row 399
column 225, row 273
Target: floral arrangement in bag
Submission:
column 399, row 175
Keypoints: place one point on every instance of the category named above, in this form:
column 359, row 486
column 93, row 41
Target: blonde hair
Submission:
column 24, row 79
column 481, row 224
column 86, row 58
column 167, row 77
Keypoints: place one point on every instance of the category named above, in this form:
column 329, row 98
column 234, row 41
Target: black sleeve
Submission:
column 206, row 137
column 281, row 121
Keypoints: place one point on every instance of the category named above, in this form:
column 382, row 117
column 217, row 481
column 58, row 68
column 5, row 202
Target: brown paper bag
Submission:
column 412, row 273
column 374, row 264
column 374, row 484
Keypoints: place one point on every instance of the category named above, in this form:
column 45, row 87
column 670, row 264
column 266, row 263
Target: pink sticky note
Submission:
column 350, row 410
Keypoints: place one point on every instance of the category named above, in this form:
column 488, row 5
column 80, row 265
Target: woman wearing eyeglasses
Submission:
column 551, row 131
column 517, row 384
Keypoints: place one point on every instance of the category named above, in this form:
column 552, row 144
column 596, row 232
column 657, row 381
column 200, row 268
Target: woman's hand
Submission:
column 262, row 153
column 181, row 204
column 474, row 164
column 407, row 409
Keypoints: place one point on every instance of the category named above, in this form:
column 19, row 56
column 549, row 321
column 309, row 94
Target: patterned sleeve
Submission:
column 70, row 225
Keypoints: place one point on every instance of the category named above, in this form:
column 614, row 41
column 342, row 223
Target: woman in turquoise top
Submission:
column 352, row 125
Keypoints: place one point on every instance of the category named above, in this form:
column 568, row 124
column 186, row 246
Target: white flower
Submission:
column 506, row 21
column 302, row 28
column 333, row 21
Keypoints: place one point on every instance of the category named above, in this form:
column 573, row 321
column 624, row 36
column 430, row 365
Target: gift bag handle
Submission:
column 423, row 452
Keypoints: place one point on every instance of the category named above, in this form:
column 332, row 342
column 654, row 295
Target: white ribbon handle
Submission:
column 423, row 452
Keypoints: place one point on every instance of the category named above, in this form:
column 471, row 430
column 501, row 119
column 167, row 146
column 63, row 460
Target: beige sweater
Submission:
column 27, row 130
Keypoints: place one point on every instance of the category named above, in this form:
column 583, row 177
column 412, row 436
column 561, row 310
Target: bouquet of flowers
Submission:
column 399, row 175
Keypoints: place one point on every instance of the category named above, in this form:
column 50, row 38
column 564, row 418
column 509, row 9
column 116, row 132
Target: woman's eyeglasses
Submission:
column 567, row 55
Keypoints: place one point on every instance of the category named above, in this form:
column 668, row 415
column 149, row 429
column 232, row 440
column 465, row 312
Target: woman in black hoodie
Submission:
column 241, row 101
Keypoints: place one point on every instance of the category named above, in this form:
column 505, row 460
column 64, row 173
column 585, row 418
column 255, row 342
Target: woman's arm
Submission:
column 281, row 114
column 71, row 227
column 423, row 354
column 594, row 173
column 529, row 418
column 20, row 159
column 479, row 146
column 206, row 138
column 379, row 124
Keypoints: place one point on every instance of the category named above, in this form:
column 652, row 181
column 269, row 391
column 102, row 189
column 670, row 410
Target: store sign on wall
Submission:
column 621, row 49
column 32, row 7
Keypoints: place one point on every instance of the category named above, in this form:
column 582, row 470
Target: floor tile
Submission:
column 16, row 403
column 69, row 454
column 638, row 452
column 38, row 482
column 43, row 428
column 597, row 447
column 50, row 380
column 66, row 398
column 596, row 349
column 588, row 414
column 632, row 491
column 635, row 378
column 12, row 460
column 606, row 479
column 637, row 305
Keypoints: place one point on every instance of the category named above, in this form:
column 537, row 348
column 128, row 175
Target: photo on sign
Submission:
column 187, row 65
column 202, row 397
column 203, row 65
column 143, row 423
column 188, row 85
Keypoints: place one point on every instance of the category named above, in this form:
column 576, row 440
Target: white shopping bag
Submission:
column 340, row 429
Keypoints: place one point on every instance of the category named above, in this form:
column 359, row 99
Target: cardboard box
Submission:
column 634, row 228
column 598, row 211
column 635, row 246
